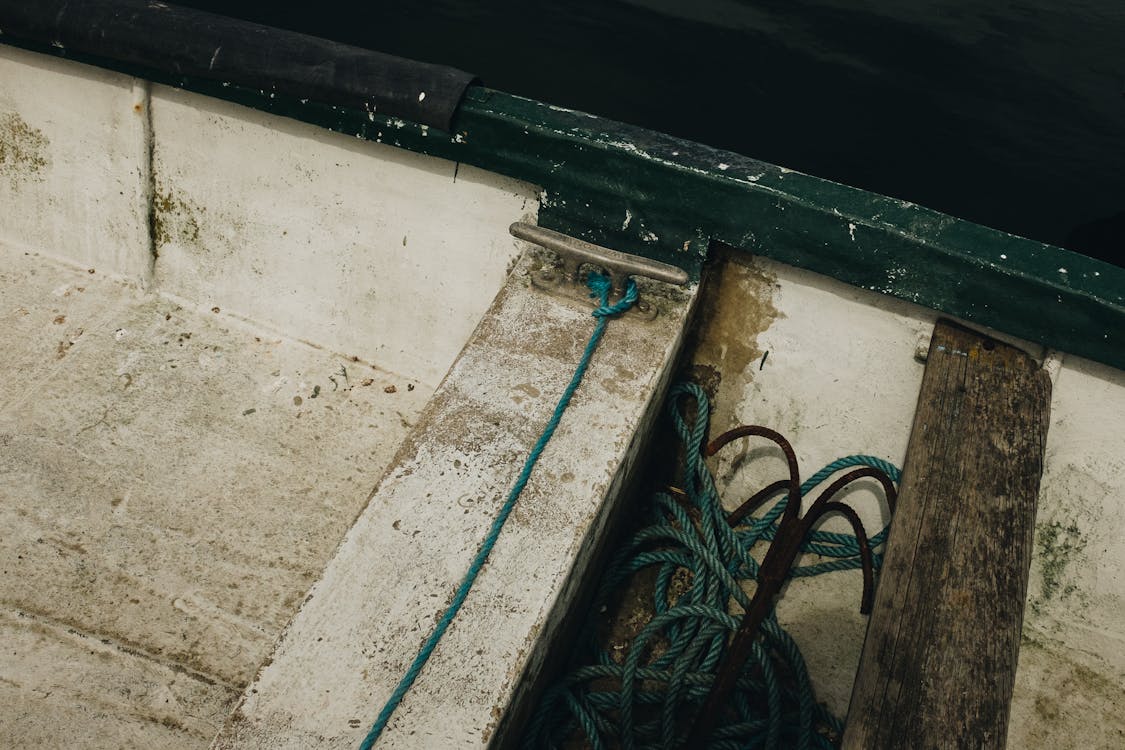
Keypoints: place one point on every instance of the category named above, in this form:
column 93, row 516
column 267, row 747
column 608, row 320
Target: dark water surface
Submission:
column 1009, row 114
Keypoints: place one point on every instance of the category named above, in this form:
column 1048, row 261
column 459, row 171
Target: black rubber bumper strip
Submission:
column 179, row 41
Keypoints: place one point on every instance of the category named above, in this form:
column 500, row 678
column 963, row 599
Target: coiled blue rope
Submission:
column 599, row 289
column 647, row 699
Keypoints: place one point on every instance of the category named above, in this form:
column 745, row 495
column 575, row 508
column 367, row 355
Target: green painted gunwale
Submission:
column 655, row 195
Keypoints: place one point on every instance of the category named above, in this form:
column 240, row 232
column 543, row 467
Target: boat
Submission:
column 283, row 321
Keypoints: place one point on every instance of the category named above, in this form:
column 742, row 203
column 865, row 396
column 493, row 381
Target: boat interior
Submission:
column 265, row 386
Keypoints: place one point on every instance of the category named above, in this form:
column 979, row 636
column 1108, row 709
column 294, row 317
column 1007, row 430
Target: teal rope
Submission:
column 647, row 701
column 599, row 289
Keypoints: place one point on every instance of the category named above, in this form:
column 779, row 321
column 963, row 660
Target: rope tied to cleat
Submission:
column 600, row 286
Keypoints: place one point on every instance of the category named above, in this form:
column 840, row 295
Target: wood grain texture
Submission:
column 939, row 662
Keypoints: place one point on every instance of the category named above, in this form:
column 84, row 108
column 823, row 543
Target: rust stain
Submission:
column 64, row 345
column 737, row 307
column 23, row 150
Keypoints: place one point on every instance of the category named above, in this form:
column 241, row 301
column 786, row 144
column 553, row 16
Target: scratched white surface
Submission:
column 367, row 249
column 394, row 574
column 171, row 483
column 293, row 230
column 181, row 451
column 73, row 175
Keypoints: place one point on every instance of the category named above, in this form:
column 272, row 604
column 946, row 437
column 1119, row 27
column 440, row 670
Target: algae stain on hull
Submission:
column 23, row 150
column 1057, row 545
column 174, row 219
column 737, row 307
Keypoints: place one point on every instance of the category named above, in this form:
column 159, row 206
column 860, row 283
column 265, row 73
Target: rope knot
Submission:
column 600, row 286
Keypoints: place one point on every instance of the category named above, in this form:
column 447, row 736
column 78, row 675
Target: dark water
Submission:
column 1010, row 114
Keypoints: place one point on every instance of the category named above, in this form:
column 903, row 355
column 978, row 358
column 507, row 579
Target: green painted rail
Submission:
column 643, row 192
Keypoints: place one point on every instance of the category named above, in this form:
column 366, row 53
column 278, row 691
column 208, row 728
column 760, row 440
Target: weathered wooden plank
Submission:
column 939, row 661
